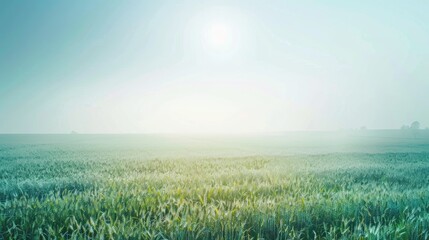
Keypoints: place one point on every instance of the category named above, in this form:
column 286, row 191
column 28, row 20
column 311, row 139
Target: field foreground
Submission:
column 82, row 191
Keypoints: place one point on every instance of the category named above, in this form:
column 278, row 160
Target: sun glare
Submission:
column 218, row 36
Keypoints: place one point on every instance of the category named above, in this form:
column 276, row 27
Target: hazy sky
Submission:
column 212, row 66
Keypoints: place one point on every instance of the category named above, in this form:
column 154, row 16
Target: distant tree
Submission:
column 363, row 128
column 415, row 125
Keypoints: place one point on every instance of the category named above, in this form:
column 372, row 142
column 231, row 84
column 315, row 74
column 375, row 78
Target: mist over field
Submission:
column 214, row 120
column 212, row 145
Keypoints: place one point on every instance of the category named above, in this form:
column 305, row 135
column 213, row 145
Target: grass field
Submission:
column 293, row 186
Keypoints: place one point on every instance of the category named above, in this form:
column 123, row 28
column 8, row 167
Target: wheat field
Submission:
column 82, row 190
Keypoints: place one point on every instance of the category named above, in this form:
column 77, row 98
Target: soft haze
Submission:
column 212, row 66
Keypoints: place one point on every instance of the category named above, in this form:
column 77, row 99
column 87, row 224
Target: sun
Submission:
column 218, row 35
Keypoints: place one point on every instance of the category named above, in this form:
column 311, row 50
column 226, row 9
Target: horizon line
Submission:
column 205, row 133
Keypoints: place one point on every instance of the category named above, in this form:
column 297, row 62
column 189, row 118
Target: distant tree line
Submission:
column 414, row 126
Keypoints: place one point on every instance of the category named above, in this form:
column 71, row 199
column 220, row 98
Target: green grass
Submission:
column 68, row 191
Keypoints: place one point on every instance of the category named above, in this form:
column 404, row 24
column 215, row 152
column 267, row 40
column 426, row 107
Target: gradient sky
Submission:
column 212, row 66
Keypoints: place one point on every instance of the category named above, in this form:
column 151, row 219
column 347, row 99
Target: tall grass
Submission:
column 68, row 193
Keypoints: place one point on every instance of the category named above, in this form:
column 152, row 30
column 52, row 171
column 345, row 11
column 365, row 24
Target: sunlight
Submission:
column 218, row 35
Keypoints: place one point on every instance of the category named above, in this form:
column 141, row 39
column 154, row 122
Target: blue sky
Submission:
column 212, row 66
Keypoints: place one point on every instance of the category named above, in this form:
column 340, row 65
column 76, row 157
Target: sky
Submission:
column 212, row 66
